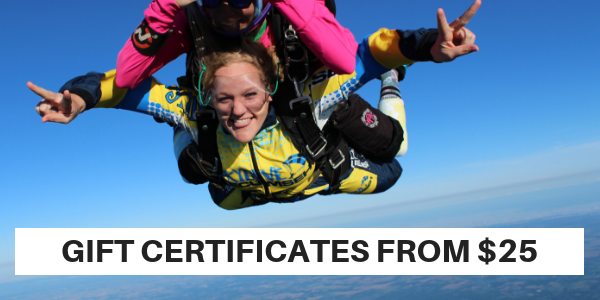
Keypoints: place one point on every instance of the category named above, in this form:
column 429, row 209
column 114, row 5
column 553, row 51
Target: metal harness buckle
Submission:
column 336, row 165
column 216, row 168
column 302, row 99
column 320, row 150
column 292, row 43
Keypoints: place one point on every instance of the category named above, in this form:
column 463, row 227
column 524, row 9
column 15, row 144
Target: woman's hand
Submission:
column 56, row 107
column 454, row 39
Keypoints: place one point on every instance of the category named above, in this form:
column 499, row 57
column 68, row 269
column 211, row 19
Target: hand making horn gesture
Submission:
column 454, row 39
column 56, row 107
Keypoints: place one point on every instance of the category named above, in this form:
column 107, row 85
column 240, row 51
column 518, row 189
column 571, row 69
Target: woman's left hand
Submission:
column 56, row 107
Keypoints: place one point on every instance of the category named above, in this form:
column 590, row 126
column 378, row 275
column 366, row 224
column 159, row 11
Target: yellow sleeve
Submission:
column 168, row 103
column 385, row 48
column 111, row 93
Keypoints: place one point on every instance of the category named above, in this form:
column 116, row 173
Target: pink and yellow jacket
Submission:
column 315, row 24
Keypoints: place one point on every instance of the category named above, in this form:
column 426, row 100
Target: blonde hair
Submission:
column 249, row 52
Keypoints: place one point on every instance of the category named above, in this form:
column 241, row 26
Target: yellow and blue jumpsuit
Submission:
column 289, row 176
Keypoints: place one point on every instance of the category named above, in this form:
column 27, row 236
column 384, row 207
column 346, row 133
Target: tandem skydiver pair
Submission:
column 266, row 147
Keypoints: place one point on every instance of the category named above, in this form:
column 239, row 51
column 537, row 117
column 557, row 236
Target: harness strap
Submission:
column 337, row 165
column 296, row 58
column 208, row 156
column 196, row 54
column 311, row 133
column 327, row 151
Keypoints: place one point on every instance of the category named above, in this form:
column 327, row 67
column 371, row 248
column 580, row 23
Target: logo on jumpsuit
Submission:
column 296, row 168
column 365, row 184
column 296, row 164
column 369, row 119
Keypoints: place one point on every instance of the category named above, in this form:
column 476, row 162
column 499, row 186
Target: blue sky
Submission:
column 519, row 116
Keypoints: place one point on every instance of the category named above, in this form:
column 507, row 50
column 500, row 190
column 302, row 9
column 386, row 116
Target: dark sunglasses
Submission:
column 234, row 3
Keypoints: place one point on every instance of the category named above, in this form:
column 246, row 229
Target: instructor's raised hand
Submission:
column 454, row 40
column 56, row 107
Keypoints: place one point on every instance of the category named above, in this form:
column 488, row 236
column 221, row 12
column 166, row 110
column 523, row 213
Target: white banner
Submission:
column 315, row 251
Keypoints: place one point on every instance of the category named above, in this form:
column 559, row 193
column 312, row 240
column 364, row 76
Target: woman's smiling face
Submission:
column 240, row 98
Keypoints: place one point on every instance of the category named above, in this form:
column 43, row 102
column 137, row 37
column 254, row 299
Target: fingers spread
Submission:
column 39, row 91
column 466, row 17
column 443, row 27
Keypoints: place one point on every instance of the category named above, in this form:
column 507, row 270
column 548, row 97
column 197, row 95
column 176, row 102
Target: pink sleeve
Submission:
column 162, row 15
column 321, row 32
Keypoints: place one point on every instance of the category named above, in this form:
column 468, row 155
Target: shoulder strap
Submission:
column 196, row 52
column 324, row 148
column 202, row 159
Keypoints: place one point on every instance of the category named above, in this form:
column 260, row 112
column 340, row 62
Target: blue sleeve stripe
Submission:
column 367, row 64
column 137, row 99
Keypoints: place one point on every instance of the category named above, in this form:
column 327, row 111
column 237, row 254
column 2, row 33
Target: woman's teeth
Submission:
column 243, row 120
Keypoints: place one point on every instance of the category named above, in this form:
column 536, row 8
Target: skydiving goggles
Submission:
column 234, row 3
column 208, row 94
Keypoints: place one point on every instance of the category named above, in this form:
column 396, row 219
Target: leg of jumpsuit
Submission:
column 387, row 173
column 391, row 102
column 371, row 176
